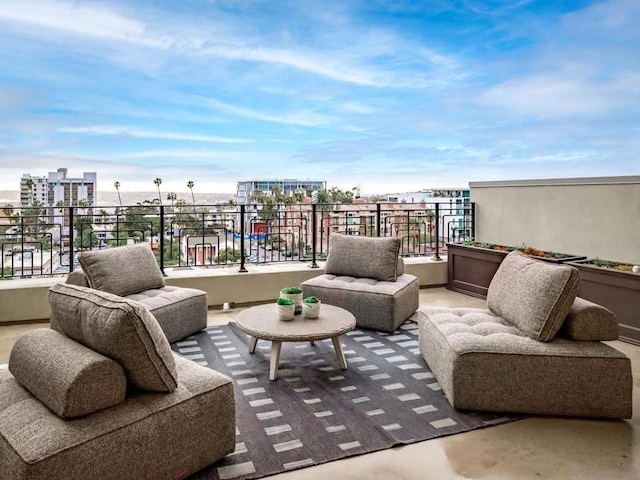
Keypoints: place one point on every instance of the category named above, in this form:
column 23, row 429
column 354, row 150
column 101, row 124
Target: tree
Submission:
column 32, row 217
column 190, row 185
column 322, row 200
column 30, row 184
column 227, row 255
column 117, row 185
column 8, row 211
column 172, row 197
column 157, row 182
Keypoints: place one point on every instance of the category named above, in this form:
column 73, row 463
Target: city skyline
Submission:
column 389, row 96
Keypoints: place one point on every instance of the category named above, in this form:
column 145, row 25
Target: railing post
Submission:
column 436, row 257
column 378, row 218
column 314, row 236
column 242, row 220
column 71, row 240
column 161, row 240
column 473, row 220
column 21, row 243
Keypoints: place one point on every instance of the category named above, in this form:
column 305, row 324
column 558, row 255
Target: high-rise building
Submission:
column 58, row 187
column 32, row 189
column 71, row 191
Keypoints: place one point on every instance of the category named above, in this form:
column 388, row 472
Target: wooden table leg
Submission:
column 275, row 358
column 339, row 353
column 252, row 344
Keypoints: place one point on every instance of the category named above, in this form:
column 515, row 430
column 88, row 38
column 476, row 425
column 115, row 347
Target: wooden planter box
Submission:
column 470, row 269
column 618, row 291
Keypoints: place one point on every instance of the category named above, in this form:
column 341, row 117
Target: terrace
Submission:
column 548, row 214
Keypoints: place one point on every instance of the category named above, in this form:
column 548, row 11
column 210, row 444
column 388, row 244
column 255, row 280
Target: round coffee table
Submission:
column 262, row 322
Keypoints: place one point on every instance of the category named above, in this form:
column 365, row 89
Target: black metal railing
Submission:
column 45, row 241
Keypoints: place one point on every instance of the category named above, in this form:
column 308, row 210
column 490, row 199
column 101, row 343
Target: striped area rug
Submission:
column 315, row 412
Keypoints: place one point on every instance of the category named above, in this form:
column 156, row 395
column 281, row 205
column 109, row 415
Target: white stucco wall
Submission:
column 596, row 217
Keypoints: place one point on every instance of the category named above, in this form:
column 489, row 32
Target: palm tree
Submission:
column 172, row 197
column 30, row 184
column 117, row 185
column 157, row 182
column 190, row 185
column 322, row 200
column 8, row 211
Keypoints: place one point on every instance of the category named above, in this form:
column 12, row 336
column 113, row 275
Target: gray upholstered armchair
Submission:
column 131, row 271
column 365, row 275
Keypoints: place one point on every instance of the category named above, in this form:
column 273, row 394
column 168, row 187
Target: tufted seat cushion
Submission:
column 482, row 362
column 377, row 305
column 179, row 311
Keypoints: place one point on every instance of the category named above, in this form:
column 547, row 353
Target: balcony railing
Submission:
column 45, row 241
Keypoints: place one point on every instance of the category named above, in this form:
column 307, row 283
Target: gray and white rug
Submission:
column 315, row 412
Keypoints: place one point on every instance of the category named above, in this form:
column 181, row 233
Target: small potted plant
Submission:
column 285, row 308
column 294, row 294
column 311, row 307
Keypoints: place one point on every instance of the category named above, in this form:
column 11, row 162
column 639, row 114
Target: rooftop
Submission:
column 532, row 448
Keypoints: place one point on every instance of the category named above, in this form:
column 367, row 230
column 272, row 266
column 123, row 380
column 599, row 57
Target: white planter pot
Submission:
column 294, row 297
column 311, row 310
column 285, row 312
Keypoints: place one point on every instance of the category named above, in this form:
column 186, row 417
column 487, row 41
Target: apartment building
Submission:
column 58, row 187
column 246, row 188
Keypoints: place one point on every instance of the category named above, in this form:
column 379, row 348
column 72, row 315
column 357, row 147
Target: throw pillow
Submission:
column 363, row 257
column 589, row 322
column 66, row 376
column 533, row 295
column 122, row 270
column 121, row 329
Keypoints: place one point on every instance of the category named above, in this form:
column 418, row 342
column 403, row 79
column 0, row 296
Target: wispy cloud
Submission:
column 142, row 133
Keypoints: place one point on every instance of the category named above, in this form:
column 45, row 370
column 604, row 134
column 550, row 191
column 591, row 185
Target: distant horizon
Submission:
column 384, row 96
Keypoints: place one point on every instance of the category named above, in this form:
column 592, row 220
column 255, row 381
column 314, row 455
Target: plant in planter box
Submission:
column 615, row 286
column 471, row 265
column 294, row 294
column 311, row 307
column 285, row 308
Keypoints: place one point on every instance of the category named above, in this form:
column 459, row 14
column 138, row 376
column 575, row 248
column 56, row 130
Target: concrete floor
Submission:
column 534, row 448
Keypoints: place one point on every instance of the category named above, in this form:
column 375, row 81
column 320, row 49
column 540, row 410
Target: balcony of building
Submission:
column 591, row 217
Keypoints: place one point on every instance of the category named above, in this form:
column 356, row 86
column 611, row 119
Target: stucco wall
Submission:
column 27, row 300
column 596, row 217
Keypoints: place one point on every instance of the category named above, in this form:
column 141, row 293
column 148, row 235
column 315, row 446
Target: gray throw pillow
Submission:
column 122, row 270
column 121, row 329
column 533, row 295
column 589, row 322
column 66, row 376
column 363, row 257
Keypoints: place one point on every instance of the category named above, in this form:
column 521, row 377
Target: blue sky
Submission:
column 390, row 95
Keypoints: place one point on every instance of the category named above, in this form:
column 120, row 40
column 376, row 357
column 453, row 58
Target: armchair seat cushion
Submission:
column 179, row 311
column 483, row 362
column 376, row 305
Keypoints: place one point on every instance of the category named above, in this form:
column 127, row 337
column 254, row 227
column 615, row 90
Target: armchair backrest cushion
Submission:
column 363, row 257
column 118, row 328
column 122, row 270
column 533, row 295
column 69, row 378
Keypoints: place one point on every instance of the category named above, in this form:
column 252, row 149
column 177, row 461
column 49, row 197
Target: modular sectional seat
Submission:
column 131, row 271
column 101, row 395
column 365, row 275
column 537, row 348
